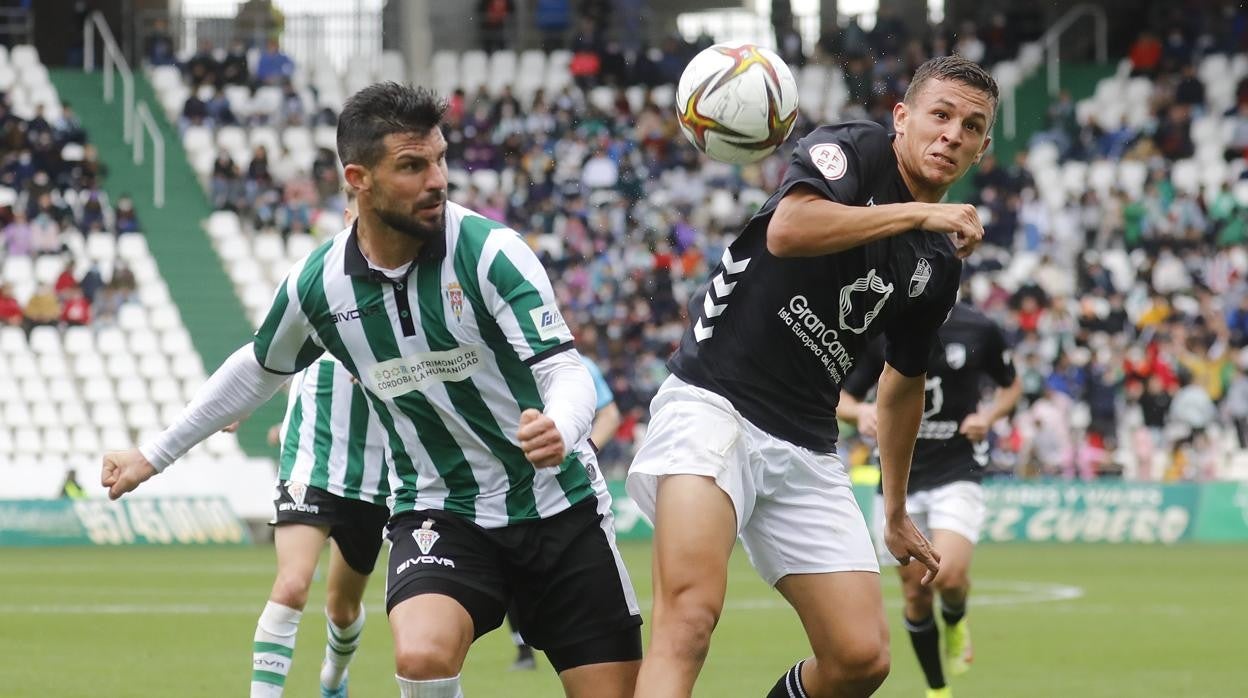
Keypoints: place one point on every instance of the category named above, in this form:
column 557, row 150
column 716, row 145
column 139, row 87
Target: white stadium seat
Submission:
column 45, row 340
column 26, row 440
column 79, row 340
column 89, row 365
column 53, row 365
column 16, row 414
column 121, row 366
column 131, row 390
column 44, row 414
column 85, row 439
column 110, row 340
column 56, row 440
column 132, row 248
column 73, row 414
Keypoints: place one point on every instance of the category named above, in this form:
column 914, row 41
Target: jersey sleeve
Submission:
column 603, row 393
column 517, row 291
column 285, row 342
column 840, row 162
column 866, row 371
column 999, row 360
column 910, row 338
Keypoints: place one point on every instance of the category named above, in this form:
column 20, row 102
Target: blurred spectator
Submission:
column 274, row 66
column 92, row 281
column 125, row 218
column 17, row 236
column 494, row 16
column 1145, row 55
column 553, row 18
column 203, row 67
column 234, row 69
column 70, row 489
column 158, row 46
column 42, row 308
column 10, row 309
column 77, row 309
column 1235, row 405
column 65, row 282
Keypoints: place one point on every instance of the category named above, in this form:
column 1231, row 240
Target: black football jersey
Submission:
column 971, row 348
column 778, row 336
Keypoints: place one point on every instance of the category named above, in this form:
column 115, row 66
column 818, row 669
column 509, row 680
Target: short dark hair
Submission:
column 956, row 68
column 380, row 110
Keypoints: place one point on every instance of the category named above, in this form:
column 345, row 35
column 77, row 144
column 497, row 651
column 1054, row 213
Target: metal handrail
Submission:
column 143, row 121
column 1052, row 40
column 112, row 57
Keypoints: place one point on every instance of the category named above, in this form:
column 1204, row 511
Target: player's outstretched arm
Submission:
column 568, row 393
column 231, row 393
column 124, row 471
column 976, row 425
column 860, row 413
column 808, row 224
column 899, row 408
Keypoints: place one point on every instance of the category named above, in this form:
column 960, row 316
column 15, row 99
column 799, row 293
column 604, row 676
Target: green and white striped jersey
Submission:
column 330, row 438
column 444, row 351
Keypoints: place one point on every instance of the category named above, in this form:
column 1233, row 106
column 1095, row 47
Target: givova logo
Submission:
column 355, row 313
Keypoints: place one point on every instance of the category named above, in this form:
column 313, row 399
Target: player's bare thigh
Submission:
column 432, row 634
column 843, row 615
column 605, row 680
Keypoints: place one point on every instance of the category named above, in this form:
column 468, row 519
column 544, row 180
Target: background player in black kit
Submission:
column 742, row 438
column 944, row 498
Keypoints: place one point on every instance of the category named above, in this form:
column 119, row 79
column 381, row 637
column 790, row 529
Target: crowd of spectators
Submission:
column 50, row 197
column 629, row 218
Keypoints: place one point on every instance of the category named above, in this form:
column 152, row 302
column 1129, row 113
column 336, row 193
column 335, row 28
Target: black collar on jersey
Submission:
column 354, row 263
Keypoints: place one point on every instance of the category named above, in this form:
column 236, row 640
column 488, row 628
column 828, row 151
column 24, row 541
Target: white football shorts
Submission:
column 957, row 507
column 796, row 512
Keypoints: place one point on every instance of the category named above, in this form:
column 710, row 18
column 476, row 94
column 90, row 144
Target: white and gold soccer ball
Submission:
column 737, row 102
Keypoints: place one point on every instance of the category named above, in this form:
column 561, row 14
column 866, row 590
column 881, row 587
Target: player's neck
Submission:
column 921, row 192
column 384, row 246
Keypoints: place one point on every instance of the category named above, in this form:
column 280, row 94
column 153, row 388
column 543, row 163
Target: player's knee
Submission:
column 952, row 580
column 918, row 600
column 694, row 613
column 291, row 590
column 863, row 663
column 424, row 659
column 341, row 610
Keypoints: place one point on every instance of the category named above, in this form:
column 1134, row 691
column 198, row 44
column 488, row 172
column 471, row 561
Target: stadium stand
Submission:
column 590, row 167
column 75, row 384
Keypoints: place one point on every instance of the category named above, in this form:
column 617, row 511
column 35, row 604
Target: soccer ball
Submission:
column 736, row 102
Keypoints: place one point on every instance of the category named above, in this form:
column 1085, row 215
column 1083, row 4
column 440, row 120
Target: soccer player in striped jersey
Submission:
column 449, row 322
column 332, row 483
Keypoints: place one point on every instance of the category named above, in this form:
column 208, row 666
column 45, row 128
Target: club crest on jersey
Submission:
column 922, row 274
column 298, row 491
column 867, row 285
column 455, row 294
column 829, row 159
column 955, row 355
column 425, row 537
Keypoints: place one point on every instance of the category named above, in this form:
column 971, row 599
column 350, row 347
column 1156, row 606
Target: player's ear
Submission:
column 358, row 177
column 900, row 114
column 983, row 149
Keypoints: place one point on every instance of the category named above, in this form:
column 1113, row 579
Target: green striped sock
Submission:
column 273, row 649
column 339, row 649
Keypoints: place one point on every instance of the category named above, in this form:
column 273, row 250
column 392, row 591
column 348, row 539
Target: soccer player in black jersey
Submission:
column 742, row 437
column 944, row 497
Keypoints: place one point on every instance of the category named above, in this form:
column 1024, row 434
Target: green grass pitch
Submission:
column 1047, row 620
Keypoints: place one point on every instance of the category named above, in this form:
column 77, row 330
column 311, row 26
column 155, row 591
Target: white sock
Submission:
column 339, row 649
column 435, row 688
column 273, row 649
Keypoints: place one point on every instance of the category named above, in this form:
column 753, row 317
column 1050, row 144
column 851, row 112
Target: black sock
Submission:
column 789, row 685
column 925, row 637
column 952, row 614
